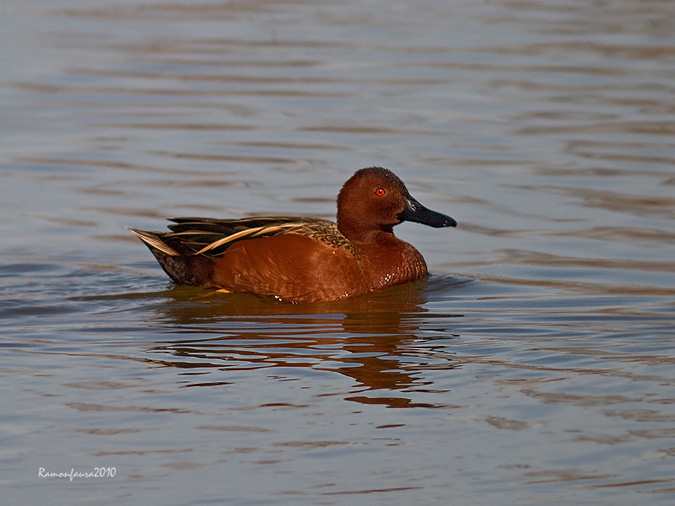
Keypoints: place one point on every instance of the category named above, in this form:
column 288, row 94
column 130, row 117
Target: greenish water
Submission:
column 535, row 365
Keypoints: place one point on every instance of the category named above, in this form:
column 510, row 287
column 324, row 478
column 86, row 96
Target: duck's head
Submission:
column 375, row 199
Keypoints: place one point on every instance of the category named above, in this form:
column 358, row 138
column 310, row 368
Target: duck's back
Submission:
column 290, row 258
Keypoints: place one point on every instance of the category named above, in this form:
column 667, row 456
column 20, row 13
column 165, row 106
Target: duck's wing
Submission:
column 211, row 237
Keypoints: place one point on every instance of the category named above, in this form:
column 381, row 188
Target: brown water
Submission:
column 535, row 366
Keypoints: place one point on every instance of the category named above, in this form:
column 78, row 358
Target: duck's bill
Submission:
column 414, row 211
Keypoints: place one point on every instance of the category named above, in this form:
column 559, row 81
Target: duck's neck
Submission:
column 360, row 234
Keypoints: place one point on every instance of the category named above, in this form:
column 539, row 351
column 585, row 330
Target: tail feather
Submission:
column 154, row 241
column 184, row 269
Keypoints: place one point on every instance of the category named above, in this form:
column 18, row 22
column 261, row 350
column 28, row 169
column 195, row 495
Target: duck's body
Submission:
column 303, row 259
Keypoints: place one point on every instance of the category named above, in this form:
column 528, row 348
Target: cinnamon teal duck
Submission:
column 298, row 259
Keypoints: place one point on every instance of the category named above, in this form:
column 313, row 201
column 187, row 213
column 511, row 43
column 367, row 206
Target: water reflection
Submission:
column 374, row 340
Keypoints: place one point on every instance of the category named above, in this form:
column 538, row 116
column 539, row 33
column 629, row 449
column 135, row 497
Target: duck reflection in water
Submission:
column 374, row 339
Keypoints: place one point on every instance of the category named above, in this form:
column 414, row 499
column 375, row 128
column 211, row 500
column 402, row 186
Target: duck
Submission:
column 303, row 259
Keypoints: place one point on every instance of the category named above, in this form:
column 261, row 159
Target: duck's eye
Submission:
column 380, row 191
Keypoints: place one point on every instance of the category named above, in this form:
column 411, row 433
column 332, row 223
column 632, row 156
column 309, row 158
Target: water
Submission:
column 535, row 366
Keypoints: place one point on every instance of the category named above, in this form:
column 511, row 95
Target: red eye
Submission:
column 380, row 191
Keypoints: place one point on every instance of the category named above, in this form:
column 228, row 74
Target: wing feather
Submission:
column 212, row 237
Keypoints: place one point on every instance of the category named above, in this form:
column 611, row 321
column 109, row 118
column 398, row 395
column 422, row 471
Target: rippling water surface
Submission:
column 535, row 366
